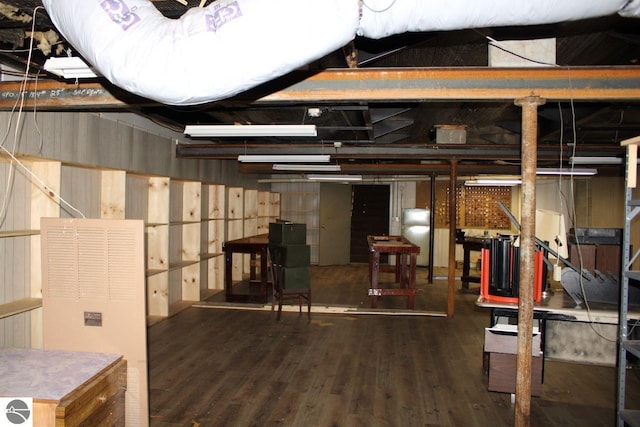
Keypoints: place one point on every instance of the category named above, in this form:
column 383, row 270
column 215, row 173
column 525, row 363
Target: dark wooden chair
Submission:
column 280, row 289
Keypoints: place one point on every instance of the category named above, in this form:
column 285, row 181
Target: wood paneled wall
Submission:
column 587, row 202
column 70, row 152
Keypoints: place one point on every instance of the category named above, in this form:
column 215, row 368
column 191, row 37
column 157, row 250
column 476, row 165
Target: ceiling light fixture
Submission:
column 307, row 168
column 335, row 178
column 567, row 171
column 69, row 67
column 250, row 130
column 302, row 158
column 492, row 182
column 595, row 160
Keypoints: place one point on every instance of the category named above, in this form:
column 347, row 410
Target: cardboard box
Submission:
column 502, row 373
column 504, row 339
column 501, row 345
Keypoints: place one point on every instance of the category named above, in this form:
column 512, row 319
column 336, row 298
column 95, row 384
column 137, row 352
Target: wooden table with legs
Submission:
column 471, row 244
column 404, row 251
column 255, row 245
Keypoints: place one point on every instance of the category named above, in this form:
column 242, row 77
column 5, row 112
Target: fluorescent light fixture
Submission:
column 69, row 67
column 566, row 171
column 335, row 178
column 301, row 158
column 595, row 160
column 250, row 130
column 492, row 182
column 507, row 182
column 307, row 168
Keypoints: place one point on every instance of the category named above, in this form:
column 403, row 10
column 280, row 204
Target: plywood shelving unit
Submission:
column 186, row 224
column 268, row 210
column 23, row 205
column 250, row 222
column 184, row 244
column 235, row 226
column 157, row 245
column 212, row 237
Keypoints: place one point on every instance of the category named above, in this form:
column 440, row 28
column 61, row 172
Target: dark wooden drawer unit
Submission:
column 68, row 388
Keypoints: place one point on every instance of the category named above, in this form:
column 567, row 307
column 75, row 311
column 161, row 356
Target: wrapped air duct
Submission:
column 230, row 46
column 209, row 53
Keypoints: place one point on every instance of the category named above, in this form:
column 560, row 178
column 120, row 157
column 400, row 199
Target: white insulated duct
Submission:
column 230, row 46
column 382, row 18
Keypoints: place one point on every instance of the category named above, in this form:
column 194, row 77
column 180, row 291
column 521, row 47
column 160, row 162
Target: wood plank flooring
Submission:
column 225, row 367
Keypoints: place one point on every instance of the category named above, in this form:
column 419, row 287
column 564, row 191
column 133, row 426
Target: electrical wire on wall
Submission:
column 571, row 206
column 17, row 110
column 598, row 331
column 556, row 268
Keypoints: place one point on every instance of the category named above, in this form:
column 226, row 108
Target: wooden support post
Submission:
column 432, row 225
column 453, row 178
column 632, row 159
column 527, row 247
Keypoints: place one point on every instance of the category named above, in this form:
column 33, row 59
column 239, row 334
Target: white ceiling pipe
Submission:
column 230, row 46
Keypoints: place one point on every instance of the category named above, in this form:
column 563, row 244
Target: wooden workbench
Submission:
column 402, row 249
column 255, row 245
column 470, row 243
column 570, row 333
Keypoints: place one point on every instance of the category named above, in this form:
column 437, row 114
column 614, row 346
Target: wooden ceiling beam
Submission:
column 366, row 85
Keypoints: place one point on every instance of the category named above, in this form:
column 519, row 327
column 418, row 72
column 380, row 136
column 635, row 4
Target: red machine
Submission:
column 500, row 272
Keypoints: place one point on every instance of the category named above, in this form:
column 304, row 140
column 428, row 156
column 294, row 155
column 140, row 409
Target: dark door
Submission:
column 369, row 216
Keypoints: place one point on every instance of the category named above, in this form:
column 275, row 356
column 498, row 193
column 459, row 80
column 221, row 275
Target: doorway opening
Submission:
column 369, row 216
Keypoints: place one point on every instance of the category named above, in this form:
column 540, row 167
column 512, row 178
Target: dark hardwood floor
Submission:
column 228, row 367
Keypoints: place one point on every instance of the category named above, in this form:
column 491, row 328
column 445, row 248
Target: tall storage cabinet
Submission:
column 626, row 345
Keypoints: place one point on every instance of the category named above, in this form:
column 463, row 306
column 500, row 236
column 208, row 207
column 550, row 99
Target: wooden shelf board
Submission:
column 209, row 256
column 19, row 306
column 18, row 233
column 183, row 222
column 179, row 306
column 152, row 320
column 157, row 224
column 181, row 264
column 208, row 293
column 153, row 272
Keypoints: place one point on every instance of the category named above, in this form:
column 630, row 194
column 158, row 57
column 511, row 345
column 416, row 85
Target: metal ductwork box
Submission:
column 451, row 134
